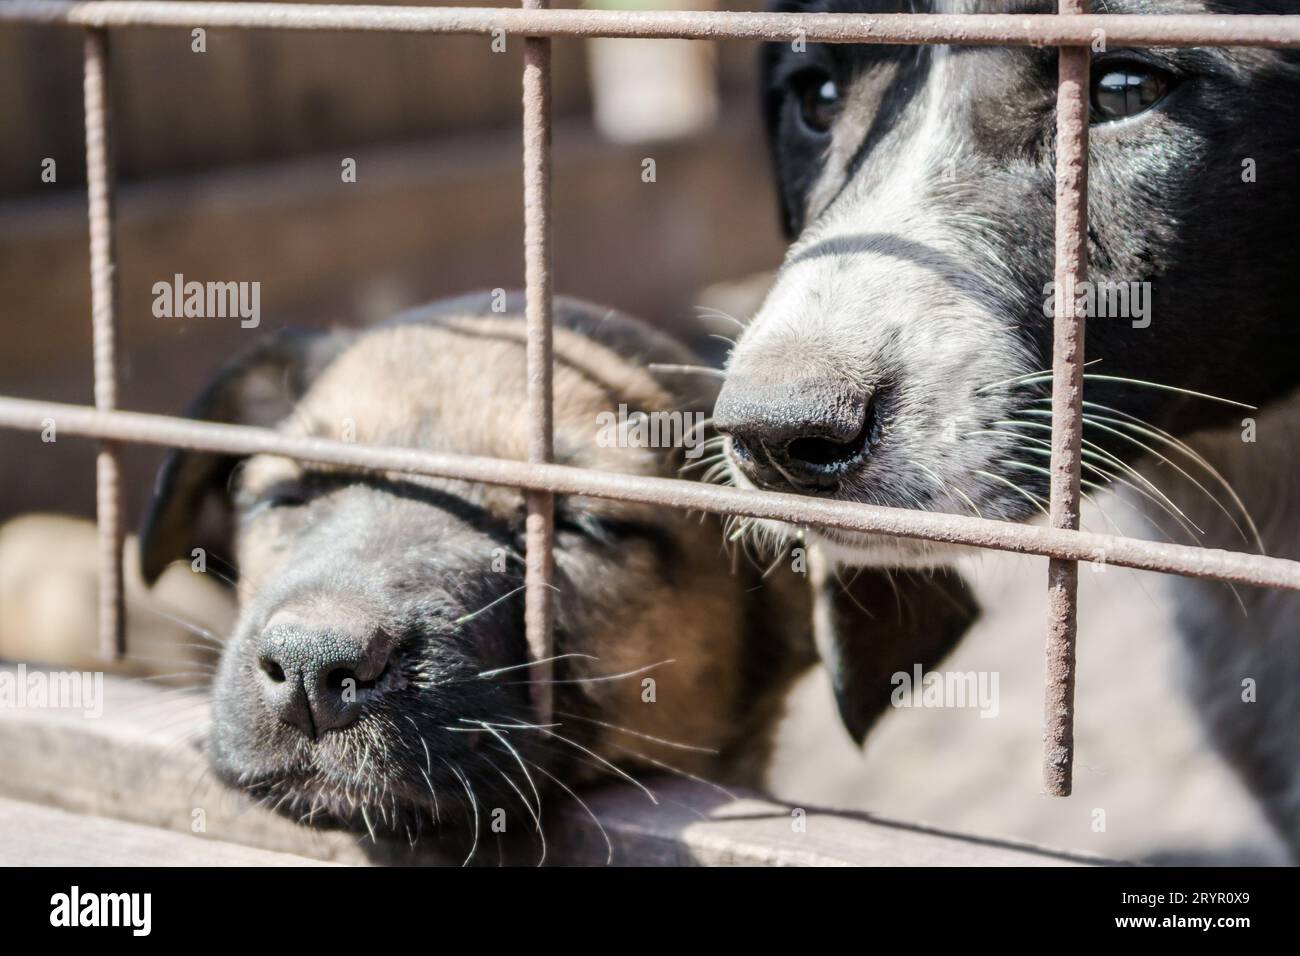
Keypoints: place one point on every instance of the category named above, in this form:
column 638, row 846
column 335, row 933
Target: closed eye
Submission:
column 287, row 494
column 586, row 524
column 610, row 529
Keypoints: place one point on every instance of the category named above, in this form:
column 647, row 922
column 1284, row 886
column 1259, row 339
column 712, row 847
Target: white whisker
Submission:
column 544, row 660
column 637, row 733
column 609, row 845
column 487, row 607
column 687, row 369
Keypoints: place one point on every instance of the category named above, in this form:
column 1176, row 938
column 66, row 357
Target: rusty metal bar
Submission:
column 1168, row 30
column 539, row 610
column 1238, row 567
column 103, row 309
column 1072, row 99
column 1072, row 31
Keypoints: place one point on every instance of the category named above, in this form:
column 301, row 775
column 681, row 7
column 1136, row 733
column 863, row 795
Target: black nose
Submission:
column 801, row 435
column 319, row 680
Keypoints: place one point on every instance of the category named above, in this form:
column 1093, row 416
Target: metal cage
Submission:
column 1072, row 30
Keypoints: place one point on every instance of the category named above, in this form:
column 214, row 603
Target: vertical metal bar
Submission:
column 1072, row 98
column 103, row 304
column 539, row 606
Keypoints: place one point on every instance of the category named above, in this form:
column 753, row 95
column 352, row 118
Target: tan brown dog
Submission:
column 377, row 677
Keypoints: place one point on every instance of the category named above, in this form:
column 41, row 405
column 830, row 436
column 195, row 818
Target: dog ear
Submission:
column 189, row 507
column 870, row 624
column 773, row 100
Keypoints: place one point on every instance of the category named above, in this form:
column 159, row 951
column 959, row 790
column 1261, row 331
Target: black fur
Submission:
column 1167, row 202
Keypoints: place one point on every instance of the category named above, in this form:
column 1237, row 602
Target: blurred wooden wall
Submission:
column 255, row 95
column 259, row 95
column 229, row 170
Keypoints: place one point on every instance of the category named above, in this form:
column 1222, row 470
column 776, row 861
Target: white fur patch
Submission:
column 881, row 291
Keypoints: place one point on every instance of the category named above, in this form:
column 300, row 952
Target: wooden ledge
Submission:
column 98, row 790
column 42, row 836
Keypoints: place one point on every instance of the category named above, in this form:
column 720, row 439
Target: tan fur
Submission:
column 680, row 655
column 461, row 388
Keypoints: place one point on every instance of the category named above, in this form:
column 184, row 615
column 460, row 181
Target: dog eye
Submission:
column 582, row 523
column 277, row 496
column 1124, row 90
column 608, row 529
column 819, row 102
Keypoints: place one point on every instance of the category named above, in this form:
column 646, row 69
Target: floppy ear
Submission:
column 190, row 506
column 870, row 624
column 772, row 100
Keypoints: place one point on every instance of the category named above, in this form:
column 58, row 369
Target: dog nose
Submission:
column 318, row 679
column 801, row 435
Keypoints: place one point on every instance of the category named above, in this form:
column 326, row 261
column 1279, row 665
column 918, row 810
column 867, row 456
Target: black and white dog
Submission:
column 899, row 357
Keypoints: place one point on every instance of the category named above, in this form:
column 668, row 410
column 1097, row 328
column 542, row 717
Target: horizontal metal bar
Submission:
column 1120, row 30
column 1234, row 566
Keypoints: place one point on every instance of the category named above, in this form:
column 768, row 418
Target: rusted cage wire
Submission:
column 1073, row 30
